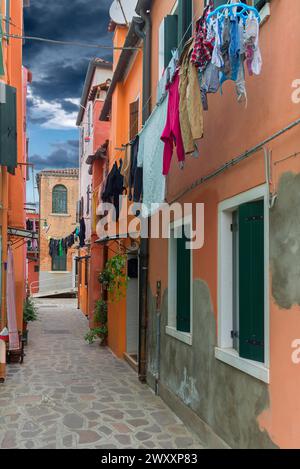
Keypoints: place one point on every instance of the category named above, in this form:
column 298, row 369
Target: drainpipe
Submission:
column 144, row 247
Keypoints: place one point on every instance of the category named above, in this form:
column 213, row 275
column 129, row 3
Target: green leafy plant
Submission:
column 113, row 277
column 96, row 333
column 100, row 313
column 30, row 313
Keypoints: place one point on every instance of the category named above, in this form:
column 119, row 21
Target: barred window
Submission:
column 60, row 199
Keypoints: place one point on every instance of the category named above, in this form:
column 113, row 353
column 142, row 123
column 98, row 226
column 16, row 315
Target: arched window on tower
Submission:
column 60, row 199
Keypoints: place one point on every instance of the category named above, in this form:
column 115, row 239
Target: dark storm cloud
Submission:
column 64, row 155
column 59, row 71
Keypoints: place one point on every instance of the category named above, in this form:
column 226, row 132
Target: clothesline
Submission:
column 216, row 53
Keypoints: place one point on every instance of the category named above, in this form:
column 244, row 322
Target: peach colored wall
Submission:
column 12, row 52
column 229, row 130
column 125, row 93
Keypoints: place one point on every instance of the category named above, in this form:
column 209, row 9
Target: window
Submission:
column 134, row 119
column 36, row 268
column 88, row 192
column 60, row 199
column 174, row 31
column 89, row 120
column 59, row 263
column 180, row 282
column 243, row 297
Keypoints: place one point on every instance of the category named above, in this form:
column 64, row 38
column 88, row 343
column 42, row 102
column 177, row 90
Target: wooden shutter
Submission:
column 183, row 285
column 251, row 281
column 185, row 18
column 8, row 130
column 171, row 36
column 59, row 263
column 134, row 119
column 59, row 199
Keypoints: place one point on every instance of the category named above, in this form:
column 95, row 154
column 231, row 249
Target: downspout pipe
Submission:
column 144, row 246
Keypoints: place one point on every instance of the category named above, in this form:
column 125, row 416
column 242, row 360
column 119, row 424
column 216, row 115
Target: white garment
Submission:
column 252, row 37
column 150, row 157
column 214, row 30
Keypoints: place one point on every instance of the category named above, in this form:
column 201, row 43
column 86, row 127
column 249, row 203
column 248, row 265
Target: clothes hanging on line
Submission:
column 82, row 232
column 204, row 44
column 172, row 132
column 59, row 247
column 150, row 158
column 125, row 171
column 190, row 104
column 167, row 77
column 136, row 173
column 114, row 188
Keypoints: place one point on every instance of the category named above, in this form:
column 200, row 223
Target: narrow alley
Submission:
column 72, row 395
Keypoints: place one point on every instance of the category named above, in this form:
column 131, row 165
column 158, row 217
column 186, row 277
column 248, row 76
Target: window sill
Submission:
column 59, row 215
column 182, row 336
column 255, row 369
column 59, row 272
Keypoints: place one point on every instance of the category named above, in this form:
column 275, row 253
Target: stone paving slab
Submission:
column 72, row 395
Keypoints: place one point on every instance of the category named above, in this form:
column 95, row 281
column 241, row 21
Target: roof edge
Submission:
column 94, row 63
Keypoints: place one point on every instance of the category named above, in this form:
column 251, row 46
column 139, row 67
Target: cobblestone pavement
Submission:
column 72, row 395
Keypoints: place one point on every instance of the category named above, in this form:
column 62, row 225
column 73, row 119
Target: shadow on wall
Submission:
column 285, row 242
column 228, row 400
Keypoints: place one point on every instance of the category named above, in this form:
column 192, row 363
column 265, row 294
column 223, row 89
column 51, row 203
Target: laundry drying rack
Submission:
column 234, row 9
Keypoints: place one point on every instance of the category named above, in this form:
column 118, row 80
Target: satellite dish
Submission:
column 122, row 11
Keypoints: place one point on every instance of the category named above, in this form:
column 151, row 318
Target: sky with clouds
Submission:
column 58, row 75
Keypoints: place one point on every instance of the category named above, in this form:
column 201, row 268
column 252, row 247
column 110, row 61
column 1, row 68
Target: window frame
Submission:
column 134, row 118
column 54, row 212
column 171, row 328
column 225, row 350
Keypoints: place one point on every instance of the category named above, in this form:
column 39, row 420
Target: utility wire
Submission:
column 68, row 43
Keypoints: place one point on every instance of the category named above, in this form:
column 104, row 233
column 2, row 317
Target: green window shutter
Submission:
column 251, row 281
column 183, row 302
column 185, row 18
column 59, row 263
column 59, row 199
column 171, row 37
column 8, row 130
column 259, row 4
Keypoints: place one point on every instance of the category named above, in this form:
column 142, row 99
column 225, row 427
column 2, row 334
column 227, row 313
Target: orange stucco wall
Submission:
column 125, row 93
column 229, row 130
column 15, row 214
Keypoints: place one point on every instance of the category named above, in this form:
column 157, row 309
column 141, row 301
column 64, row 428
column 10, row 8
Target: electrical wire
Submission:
column 68, row 43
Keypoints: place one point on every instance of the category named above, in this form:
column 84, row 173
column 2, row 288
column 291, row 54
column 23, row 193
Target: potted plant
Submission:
column 100, row 312
column 113, row 278
column 29, row 315
column 97, row 333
